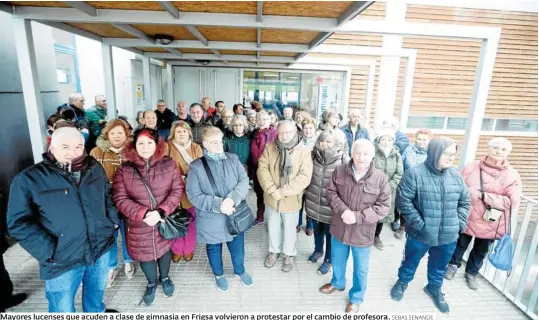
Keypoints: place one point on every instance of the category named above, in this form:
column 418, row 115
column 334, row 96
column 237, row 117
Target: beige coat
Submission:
column 288, row 197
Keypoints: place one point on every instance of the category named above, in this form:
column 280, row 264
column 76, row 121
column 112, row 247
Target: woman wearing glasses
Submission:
column 239, row 142
column 183, row 151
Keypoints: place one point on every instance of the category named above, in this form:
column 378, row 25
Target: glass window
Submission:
column 516, row 125
column 456, row 123
column 420, row 122
column 487, row 124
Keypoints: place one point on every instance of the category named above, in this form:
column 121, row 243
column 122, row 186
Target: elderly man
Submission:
column 288, row 113
column 284, row 172
column 73, row 111
column 150, row 119
column 217, row 115
column 197, row 122
column 435, row 203
column 359, row 196
column 165, row 117
column 60, row 211
column 225, row 123
column 205, row 103
column 181, row 111
column 354, row 130
column 96, row 118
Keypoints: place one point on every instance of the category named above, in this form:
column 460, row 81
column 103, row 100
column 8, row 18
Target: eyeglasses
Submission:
column 449, row 155
column 215, row 143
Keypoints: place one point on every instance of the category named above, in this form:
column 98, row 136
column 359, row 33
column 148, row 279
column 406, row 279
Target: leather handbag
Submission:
column 174, row 225
column 491, row 214
column 242, row 218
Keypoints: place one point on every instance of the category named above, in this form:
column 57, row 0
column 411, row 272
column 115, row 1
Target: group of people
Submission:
column 67, row 210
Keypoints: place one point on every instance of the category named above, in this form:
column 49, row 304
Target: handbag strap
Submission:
column 481, row 185
column 153, row 202
column 210, row 176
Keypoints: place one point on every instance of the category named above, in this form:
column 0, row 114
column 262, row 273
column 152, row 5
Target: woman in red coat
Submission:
column 144, row 243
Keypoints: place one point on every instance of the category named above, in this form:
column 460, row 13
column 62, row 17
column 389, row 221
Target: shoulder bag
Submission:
column 242, row 218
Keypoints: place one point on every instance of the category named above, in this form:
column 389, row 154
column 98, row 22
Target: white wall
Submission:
column 90, row 69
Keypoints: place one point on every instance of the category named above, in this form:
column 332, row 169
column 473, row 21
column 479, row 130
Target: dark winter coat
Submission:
column 197, row 129
column 435, row 203
column 144, row 243
column 51, row 217
column 240, row 146
column 393, row 168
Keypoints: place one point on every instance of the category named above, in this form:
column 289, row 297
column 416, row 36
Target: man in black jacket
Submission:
column 165, row 117
column 60, row 210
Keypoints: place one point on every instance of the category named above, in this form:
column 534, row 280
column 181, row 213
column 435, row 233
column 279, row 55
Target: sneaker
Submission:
column 314, row 257
column 111, row 277
column 398, row 290
column 395, row 225
column 221, row 284
column 471, row 281
column 288, row 264
column 168, row 287
column 450, row 271
column 298, row 229
column 271, row 259
column 324, row 268
column 399, row 234
column 149, row 294
column 309, row 232
column 129, row 270
column 438, row 298
column 246, row 279
column 378, row 243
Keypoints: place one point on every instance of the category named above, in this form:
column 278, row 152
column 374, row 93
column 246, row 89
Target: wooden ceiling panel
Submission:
column 151, row 49
column 246, row 7
column 126, row 5
column 102, row 30
column 178, row 32
column 287, row 36
column 317, row 9
column 244, row 52
column 39, row 4
column 195, row 51
column 228, row 34
column 278, row 53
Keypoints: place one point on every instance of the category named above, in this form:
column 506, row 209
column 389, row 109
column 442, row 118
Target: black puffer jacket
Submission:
column 324, row 163
column 50, row 216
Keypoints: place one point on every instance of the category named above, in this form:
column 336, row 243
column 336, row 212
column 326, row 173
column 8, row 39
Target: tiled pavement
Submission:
column 274, row 290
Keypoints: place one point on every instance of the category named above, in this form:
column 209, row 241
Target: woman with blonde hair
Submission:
column 113, row 138
column 183, row 151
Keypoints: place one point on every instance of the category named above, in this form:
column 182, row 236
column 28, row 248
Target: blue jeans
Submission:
column 61, row 291
column 339, row 257
column 113, row 262
column 439, row 257
column 236, row 247
column 321, row 233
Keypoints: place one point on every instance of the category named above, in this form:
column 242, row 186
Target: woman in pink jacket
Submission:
column 500, row 190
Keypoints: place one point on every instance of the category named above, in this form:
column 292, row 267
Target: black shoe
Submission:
column 149, row 294
column 111, row 311
column 438, row 298
column 398, row 290
column 15, row 300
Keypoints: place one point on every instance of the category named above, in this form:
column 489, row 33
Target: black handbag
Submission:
column 242, row 218
column 174, row 225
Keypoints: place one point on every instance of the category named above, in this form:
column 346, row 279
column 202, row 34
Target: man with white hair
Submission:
column 96, row 118
column 288, row 113
column 284, row 172
column 73, row 112
column 60, row 210
column 359, row 196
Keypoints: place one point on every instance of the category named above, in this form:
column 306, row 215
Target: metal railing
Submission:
column 521, row 285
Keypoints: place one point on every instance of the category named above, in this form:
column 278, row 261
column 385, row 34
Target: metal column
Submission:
column 147, row 83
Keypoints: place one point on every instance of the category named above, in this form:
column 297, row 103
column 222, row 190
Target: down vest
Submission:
column 144, row 243
column 435, row 203
column 502, row 191
column 393, row 168
column 316, row 202
column 51, row 217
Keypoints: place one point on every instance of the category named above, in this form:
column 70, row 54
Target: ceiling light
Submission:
column 203, row 62
column 163, row 39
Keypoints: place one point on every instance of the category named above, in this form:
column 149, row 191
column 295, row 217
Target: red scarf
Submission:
column 76, row 165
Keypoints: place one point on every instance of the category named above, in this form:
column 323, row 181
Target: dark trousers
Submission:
column 150, row 268
column 259, row 199
column 310, row 222
column 321, row 233
column 236, row 247
column 439, row 257
column 379, row 227
column 6, row 289
column 477, row 255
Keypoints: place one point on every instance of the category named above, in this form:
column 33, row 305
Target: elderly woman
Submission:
column 183, row 151
column 114, row 137
column 308, row 139
column 387, row 159
column 330, row 120
column 359, row 196
column 140, row 120
column 145, row 159
column 232, row 185
column 412, row 156
column 327, row 155
column 265, row 134
column 251, row 120
column 301, row 116
column 494, row 184
column 238, row 141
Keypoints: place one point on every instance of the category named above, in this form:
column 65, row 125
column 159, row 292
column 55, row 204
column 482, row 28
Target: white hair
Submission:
column 261, row 113
column 74, row 96
column 285, row 122
column 500, row 142
column 99, row 97
column 393, row 121
column 364, row 143
column 289, row 109
column 60, row 134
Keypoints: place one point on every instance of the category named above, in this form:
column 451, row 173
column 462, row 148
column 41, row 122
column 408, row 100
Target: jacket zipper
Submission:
column 443, row 206
column 82, row 208
column 147, row 165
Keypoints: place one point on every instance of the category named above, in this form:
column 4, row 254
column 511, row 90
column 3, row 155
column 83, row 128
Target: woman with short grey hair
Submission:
column 238, row 142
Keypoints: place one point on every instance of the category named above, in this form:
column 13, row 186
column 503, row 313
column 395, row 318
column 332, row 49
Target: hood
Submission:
column 129, row 153
column 435, row 149
column 103, row 144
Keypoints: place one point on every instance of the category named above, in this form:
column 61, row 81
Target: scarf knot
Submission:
column 285, row 158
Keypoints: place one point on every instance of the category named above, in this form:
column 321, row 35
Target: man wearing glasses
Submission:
column 165, row 117
column 435, row 203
